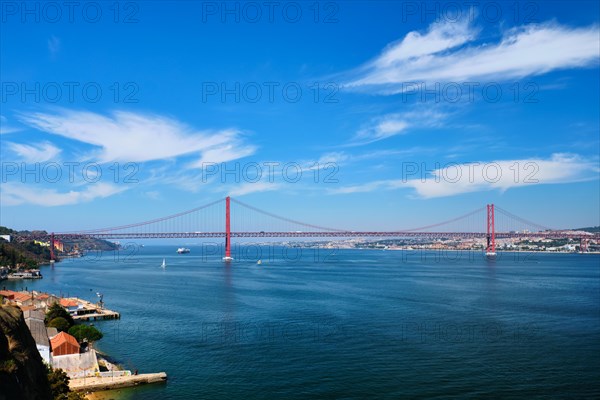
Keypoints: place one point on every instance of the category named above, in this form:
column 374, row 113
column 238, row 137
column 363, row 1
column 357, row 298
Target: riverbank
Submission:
column 106, row 395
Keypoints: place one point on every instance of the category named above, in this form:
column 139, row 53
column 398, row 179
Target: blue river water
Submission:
column 348, row 324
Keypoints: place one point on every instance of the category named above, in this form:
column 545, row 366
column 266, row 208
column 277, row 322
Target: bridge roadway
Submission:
column 315, row 234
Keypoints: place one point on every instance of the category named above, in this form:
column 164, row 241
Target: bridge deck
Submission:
column 314, row 234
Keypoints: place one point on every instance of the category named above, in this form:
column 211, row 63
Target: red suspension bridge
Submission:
column 230, row 218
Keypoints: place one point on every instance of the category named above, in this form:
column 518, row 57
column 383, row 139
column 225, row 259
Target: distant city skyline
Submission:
column 376, row 115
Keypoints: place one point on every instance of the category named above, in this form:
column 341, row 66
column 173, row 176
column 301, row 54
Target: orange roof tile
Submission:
column 68, row 303
column 7, row 293
column 63, row 338
column 22, row 296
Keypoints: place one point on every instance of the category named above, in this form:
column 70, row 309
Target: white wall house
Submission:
column 40, row 334
column 78, row 365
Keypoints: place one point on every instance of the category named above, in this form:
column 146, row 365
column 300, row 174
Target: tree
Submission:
column 59, row 385
column 61, row 324
column 81, row 332
column 59, row 382
column 56, row 311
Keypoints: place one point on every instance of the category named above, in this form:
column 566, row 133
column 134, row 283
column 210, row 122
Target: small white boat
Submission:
column 183, row 250
column 164, row 264
column 490, row 254
column 259, row 262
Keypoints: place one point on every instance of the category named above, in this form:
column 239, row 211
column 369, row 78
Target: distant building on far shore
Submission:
column 58, row 245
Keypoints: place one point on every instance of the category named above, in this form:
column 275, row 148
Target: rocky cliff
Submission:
column 23, row 374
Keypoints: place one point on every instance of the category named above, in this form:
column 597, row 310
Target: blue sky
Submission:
column 165, row 93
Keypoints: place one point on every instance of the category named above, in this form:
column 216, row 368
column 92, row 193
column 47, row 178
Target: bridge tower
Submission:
column 227, row 230
column 491, row 232
column 52, row 256
column 583, row 245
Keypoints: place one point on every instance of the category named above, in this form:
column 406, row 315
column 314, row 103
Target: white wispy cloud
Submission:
column 439, row 37
column 225, row 153
column 35, row 153
column 253, row 187
column 152, row 194
column 336, row 157
column 326, row 160
column 395, row 124
column 446, row 53
column 168, row 174
column 53, row 45
column 134, row 137
column 5, row 128
column 455, row 179
column 15, row 193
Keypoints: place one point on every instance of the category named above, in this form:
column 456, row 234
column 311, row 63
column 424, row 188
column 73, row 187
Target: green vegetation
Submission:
column 27, row 254
column 552, row 243
column 58, row 317
column 20, row 253
column 91, row 244
column 6, row 231
column 59, row 385
column 61, row 324
column 8, row 367
column 85, row 333
column 57, row 311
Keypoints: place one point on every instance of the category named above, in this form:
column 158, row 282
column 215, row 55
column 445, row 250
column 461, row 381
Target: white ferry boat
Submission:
column 29, row 274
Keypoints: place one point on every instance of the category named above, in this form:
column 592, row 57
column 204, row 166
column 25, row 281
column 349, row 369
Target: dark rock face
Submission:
column 23, row 374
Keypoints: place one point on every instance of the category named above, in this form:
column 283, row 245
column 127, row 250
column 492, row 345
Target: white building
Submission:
column 71, row 305
column 35, row 323
column 78, row 365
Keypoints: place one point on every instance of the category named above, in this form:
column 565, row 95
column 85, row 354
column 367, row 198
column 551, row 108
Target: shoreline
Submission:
column 99, row 384
column 115, row 394
column 462, row 250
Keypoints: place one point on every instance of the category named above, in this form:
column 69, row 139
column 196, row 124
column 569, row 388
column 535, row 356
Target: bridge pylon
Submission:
column 227, row 230
column 583, row 245
column 490, row 250
column 52, row 255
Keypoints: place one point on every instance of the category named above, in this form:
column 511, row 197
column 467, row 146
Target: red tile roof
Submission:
column 68, row 303
column 22, row 296
column 9, row 294
column 62, row 339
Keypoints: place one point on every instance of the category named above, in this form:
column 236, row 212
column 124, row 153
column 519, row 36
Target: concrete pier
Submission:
column 93, row 384
column 100, row 315
column 93, row 312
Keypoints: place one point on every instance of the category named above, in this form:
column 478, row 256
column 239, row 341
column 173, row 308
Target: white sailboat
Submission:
column 164, row 264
